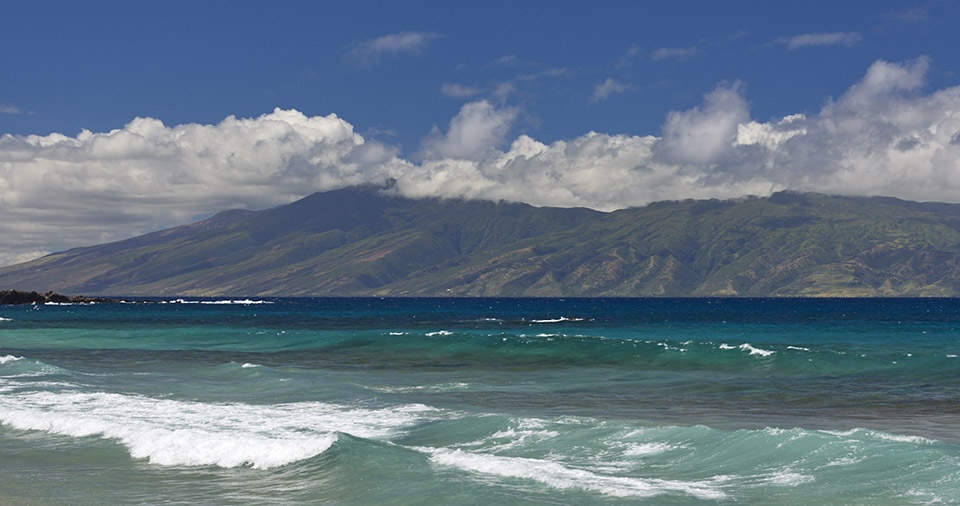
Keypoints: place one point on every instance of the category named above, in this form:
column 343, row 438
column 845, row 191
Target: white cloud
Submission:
column 631, row 54
column 884, row 136
column 700, row 135
column 369, row 52
column 9, row 109
column 58, row 191
column 603, row 90
column 454, row 90
column 848, row 39
column 477, row 129
column 674, row 53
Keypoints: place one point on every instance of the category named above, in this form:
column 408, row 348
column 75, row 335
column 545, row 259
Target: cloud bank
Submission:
column 884, row 136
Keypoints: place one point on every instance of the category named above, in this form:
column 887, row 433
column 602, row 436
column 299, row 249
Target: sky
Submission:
column 119, row 118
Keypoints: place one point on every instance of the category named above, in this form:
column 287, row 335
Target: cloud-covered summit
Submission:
column 884, row 136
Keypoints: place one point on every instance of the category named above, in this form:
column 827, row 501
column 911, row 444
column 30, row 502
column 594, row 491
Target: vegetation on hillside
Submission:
column 358, row 241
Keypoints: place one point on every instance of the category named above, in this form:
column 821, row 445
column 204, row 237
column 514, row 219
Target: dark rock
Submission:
column 20, row 297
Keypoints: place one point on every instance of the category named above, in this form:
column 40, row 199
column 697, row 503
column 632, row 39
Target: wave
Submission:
column 559, row 320
column 748, row 347
column 743, row 465
column 9, row 358
column 563, row 477
column 170, row 432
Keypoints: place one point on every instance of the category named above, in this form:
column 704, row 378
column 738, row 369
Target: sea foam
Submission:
column 170, row 432
column 559, row 476
column 748, row 347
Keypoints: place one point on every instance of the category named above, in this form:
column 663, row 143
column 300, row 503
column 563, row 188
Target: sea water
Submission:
column 481, row 401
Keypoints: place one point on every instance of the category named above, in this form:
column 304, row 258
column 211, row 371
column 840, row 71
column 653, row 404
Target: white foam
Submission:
column 559, row 476
column 749, row 348
column 527, row 431
column 788, row 478
column 9, row 358
column 248, row 365
column 558, row 320
column 882, row 436
column 641, row 449
column 2, row 319
column 441, row 387
column 439, row 333
column 169, row 432
column 245, row 302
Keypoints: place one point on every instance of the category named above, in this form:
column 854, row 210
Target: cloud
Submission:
column 700, row 135
column 629, row 56
column 58, row 191
column 454, row 90
column 9, row 109
column 369, row 52
column 911, row 15
column 478, row 128
column 674, row 53
column 603, row 90
column 507, row 60
column 848, row 39
column 884, row 136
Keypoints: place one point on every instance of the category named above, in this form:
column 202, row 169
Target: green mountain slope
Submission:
column 358, row 241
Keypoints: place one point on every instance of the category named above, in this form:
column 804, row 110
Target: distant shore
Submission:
column 21, row 297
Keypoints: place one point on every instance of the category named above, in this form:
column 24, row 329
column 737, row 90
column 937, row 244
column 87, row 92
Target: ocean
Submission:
column 481, row 401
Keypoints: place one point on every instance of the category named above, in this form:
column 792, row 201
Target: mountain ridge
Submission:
column 363, row 241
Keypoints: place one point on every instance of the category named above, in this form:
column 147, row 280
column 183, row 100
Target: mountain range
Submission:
column 364, row 241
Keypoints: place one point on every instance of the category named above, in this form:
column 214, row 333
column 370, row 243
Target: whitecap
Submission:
column 748, row 347
column 562, row 477
column 169, row 432
column 558, row 320
column 9, row 358
column 881, row 436
column 245, row 302
column 642, row 449
column 2, row 319
column 442, row 387
column 439, row 333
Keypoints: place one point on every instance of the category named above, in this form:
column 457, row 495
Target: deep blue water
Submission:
column 480, row 401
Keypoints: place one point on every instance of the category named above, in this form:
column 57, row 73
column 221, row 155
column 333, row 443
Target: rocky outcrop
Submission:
column 20, row 297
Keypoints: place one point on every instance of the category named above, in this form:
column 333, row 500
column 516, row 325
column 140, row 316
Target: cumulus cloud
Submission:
column 369, row 52
column 477, row 129
column 58, row 191
column 885, row 135
column 700, row 135
column 609, row 87
column 848, row 39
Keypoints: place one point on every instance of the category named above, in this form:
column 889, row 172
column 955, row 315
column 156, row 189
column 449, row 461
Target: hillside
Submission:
column 360, row 242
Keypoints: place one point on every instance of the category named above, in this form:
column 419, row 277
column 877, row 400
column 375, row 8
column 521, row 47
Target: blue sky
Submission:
column 118, row 118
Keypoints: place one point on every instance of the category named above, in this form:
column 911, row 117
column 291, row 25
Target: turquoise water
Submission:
column 481, row 401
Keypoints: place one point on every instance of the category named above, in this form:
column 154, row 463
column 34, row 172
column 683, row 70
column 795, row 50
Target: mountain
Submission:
column 365, row 242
